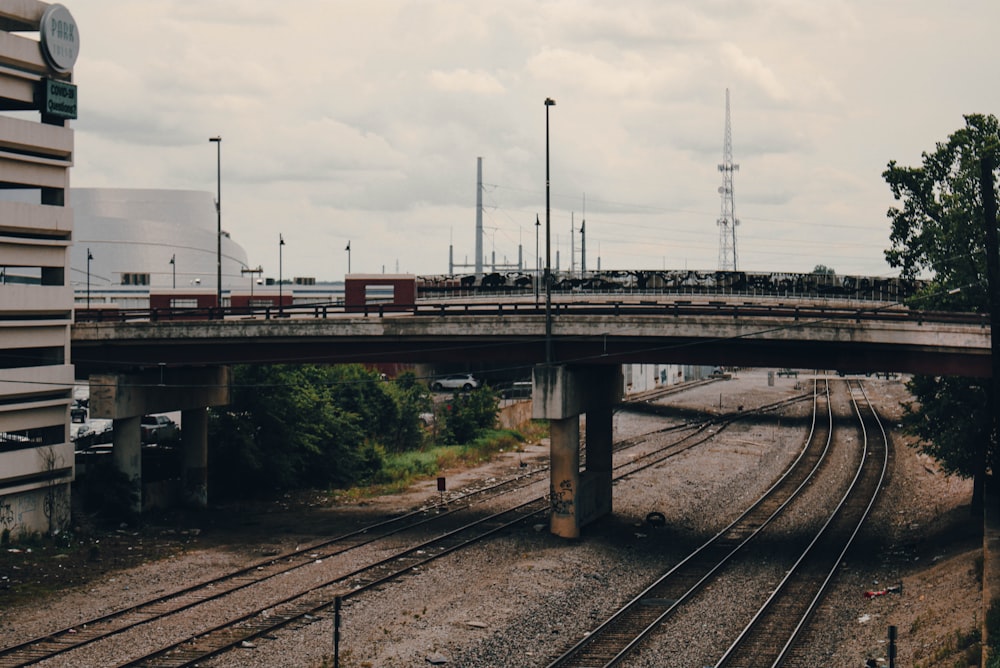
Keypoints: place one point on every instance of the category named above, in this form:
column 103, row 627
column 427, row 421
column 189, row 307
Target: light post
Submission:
column 281, row 288
column 348, row 249
column 173, row 268
column 89, row 258
column 247, row 270
column 549, row 102
column 538, row 278
column 218, row 215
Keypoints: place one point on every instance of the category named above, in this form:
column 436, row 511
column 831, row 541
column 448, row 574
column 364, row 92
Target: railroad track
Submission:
column 443, row 518
column 610, row 642
column 769, row 639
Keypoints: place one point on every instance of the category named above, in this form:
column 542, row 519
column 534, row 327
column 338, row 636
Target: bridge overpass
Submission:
column 593, row 331
column 154, row 361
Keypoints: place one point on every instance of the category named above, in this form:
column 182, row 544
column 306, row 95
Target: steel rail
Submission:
column 56, row 642
column 626, row 629
column 767, row 640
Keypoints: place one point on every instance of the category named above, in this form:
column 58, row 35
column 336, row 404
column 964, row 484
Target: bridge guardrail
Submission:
column 649, row 307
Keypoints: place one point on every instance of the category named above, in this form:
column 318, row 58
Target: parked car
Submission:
column 462, row 381
column 158, row 429
column 516, row 390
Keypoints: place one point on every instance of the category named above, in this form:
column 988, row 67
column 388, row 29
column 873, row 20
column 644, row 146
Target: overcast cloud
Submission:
column 362, row 121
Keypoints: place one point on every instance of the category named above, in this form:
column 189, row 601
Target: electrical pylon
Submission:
column 727, row 221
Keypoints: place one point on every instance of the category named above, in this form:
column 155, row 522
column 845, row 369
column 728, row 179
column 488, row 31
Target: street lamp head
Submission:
column 281, row 240
column 219, row 138
column 549, row 102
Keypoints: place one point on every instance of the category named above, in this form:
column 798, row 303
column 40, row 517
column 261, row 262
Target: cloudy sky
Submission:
column 362, row 122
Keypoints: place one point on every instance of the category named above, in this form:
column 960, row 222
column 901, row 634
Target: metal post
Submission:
column 89, row 258
column 987, row 166
column 538, row 278
column 548, row 242
column 892, row 647
column 173, row 268
column 281, row 293
column 348, row 249
column 336, row 632
column 218, row 215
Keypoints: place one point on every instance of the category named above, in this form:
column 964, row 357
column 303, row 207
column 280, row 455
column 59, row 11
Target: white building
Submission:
column 145, row 239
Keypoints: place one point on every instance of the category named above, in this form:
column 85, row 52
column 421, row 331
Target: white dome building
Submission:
column 141, row 239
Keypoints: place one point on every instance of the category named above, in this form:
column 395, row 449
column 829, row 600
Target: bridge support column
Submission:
column 126, row 453
column 194, row 464
column 125, row 398
column 560, row 395
column 564, row 472
column 596, row 480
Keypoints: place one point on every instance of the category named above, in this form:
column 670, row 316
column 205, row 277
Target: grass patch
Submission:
column 400, row 470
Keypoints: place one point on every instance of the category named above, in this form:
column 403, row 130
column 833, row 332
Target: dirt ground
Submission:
column 922, row 536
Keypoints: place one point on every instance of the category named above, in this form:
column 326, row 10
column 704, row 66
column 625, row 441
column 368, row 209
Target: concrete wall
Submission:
column 36, row 297
column 514, row 414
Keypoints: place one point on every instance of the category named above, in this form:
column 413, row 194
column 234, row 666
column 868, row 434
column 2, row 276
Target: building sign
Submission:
column 60, row 38
column 58, row 99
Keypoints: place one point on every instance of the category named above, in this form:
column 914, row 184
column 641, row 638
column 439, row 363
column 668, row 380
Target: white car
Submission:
column 462, row 381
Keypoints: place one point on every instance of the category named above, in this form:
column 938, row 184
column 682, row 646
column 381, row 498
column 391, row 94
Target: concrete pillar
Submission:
column 124, row 398
column 126, row 452
column 560, row 394
column 595, row 484
column 194, row 452
column 564, row 461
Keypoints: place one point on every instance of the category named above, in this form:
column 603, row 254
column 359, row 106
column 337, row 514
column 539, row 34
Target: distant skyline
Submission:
column 362, row 123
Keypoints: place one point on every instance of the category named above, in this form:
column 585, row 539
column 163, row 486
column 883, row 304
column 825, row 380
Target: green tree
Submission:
column 467, row 413
column 412, row 399
column 938, row 230
column 823, row 270
column 293, row 426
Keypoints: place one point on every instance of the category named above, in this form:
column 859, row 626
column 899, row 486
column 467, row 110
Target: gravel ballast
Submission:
column 517, row 599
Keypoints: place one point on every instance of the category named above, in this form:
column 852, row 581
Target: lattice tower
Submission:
column 727, row 220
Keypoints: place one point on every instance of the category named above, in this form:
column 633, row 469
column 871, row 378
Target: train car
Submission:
column 779, row 284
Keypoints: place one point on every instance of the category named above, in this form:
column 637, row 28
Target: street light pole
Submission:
column 281, row 288
column 173, row 267
column 89, row 258
column 549, row 102
column 218, row 216
column 348, row 249
column 247, row 270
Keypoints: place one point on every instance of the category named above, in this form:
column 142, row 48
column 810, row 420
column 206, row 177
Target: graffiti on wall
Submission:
column 561, row 498
column 764, row 283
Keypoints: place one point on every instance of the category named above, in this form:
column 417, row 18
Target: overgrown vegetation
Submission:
column 940, row 228
column 334, row 427
column 400, row 470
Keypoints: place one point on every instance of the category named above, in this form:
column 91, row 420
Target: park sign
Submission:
column 60, row 38
column 58, row 99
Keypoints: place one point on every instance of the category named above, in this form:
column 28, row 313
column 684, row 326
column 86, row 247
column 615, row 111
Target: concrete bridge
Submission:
column 139, row 367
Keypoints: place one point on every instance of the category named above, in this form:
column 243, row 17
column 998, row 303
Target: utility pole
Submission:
column 479, row 217
column 987, row 165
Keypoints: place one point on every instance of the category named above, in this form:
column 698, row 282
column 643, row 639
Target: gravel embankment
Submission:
column 514, row 601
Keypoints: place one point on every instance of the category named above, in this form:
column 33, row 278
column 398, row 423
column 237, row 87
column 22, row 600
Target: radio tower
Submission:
column 727, row 221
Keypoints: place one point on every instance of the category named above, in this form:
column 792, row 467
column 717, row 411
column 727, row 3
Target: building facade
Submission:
column 38, row 47
column 137, row 240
